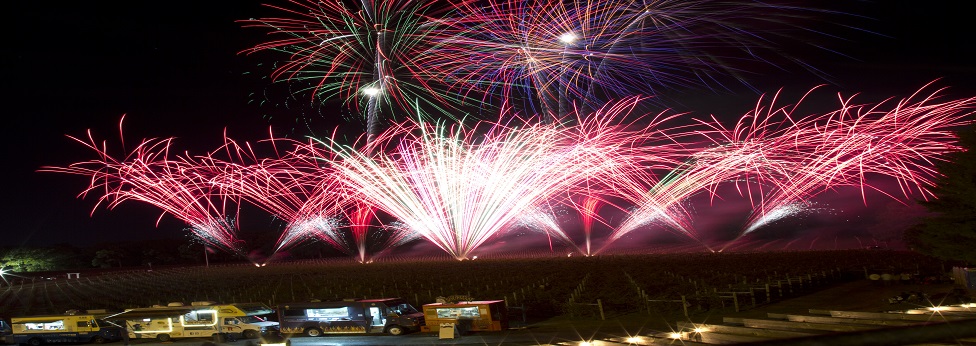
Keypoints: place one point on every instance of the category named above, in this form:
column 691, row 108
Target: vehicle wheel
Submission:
column 249, row 334
column 313, row 332
column 395, row 330
column 35, row 342
column 98, row 339
column 163, row 337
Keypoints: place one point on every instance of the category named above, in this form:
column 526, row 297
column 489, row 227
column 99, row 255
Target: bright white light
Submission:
column 633, row 340
column 3, row 275
column 371, row 91
column 675, row 335
column 700, row 330
column 567, row 38
column 937, row 308
column 585, row 343
column 474, row 258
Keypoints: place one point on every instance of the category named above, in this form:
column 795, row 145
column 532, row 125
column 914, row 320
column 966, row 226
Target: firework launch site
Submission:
column 601, row 297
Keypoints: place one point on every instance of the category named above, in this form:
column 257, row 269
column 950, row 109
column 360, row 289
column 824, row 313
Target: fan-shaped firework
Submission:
column 900, row 141
column 177, row 185
column 458, row 187
column 801, row 158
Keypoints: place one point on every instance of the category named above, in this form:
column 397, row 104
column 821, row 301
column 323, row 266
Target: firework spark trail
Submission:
column 299, row 190
column 283, row 185
column 588, row 211
column 662, row 201
column 846, row 147
column 788, row 210
column 577, row 49
column 175, row 185
column 360, row 219
column 278, row 186
column 391, row 235
column 323, row 228
column 457, row 187
column 341, row 50
column 541, row 220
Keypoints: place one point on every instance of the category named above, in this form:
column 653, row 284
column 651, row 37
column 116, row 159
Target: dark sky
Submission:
column 173, row 67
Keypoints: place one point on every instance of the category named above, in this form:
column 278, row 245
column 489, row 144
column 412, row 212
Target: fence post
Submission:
column 684, row 304
column 599, row 305
column 735, row 300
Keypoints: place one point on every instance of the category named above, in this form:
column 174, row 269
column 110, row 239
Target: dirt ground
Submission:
column 861, row 295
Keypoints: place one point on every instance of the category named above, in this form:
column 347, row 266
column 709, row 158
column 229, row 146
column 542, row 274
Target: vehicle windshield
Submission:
column 250, row 319
column 103, row 323
column 404, row 309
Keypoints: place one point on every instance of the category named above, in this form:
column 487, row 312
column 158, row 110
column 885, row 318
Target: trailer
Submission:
column 371, row 316
column 37, row 330
column 200, row 319
column 486, row 315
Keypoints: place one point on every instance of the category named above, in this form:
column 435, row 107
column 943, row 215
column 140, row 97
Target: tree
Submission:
column 108, row 258
column 30, row 259
column 950, row 233
column 895, row 220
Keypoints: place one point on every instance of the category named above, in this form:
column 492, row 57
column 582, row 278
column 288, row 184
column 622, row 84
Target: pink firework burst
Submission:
column 176, row 184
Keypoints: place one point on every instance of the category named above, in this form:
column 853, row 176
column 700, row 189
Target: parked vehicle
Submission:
column 200, row 319
column 488, row 315
column 373, row 316
column 37, row 330
column 5, row 332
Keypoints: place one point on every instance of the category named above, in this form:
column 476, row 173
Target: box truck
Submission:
column 372, row 316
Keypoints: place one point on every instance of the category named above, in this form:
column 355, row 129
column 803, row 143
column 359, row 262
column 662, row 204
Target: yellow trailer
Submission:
column 37, row 330
column 475, row 316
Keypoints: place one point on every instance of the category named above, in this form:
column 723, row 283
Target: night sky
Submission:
column 174, row 68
